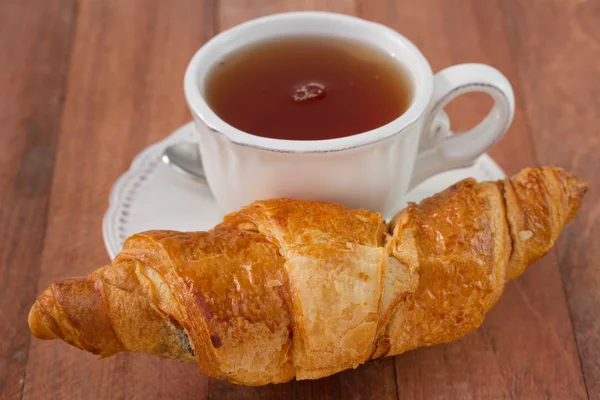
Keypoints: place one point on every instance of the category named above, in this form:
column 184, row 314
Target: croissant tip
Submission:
column 576, row 187
column 577, row 184
column 37, row 324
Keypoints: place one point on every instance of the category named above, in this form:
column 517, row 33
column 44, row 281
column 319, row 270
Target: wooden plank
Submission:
column 124, row 92
column 231, row 13
column 525, row 348
column 34, row 44
column 557, row 47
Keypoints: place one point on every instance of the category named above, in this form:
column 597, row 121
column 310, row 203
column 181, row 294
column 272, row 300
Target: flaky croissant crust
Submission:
column 288, row 288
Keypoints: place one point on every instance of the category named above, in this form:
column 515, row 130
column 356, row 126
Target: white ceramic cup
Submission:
column 373, row 169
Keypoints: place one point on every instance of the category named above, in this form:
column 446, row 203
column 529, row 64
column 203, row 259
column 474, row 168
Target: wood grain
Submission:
column 124, row 92
column 558, row 70
column 34, row 46
column 118, row 67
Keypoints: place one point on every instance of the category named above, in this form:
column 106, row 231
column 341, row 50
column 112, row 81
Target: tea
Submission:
column 308, row 88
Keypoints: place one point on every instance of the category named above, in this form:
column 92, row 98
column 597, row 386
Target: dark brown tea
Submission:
column 308, row 88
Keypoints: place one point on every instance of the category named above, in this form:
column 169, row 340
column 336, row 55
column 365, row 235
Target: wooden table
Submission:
column 86, row 84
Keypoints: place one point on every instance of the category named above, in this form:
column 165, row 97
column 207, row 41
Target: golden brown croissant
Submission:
column 288, row 288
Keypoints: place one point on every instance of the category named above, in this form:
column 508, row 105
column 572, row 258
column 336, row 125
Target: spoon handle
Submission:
column 184, row 157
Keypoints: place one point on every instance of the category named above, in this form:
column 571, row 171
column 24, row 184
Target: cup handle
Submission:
column 439, row 148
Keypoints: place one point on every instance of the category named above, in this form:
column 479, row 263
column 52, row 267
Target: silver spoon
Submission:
column 185, row 158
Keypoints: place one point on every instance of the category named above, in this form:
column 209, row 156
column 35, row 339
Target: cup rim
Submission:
column 201, row 110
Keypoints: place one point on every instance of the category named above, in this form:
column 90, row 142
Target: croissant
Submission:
column 286, row 288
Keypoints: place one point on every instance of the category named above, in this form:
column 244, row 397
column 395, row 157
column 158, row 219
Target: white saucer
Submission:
column 150, row 195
